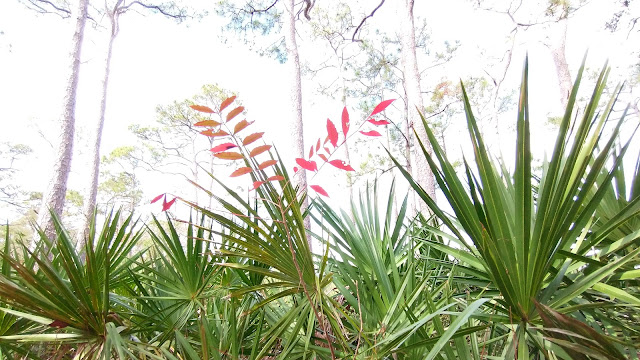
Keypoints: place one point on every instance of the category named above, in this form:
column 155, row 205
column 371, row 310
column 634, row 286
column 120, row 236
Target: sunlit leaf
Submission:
column 308, row 165
column 241, row 171
column 319, row 190
column 266, row 164
column 209, row 123
column 202, row 108
column 345, row 121
column 318, row 145
column 157, row 198
column 167, row 205
column 210, row 133
column 380, row 107
column 333, row 133
column 233, row 113
column 259, row 150
column 341, row 165
column 251, row 138
column 222, row 147
column 229, row 155
column 323, row 157
column 241, row 125
column 227, row 102
column 370, row 133
column 256, row 184
column 275, row 178
column 311, row 151
column 378, row 122
column 295, row 169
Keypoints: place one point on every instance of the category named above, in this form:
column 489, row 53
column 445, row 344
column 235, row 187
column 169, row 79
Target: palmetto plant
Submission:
column 73, row 301
column 530, row 237
column 398, row 299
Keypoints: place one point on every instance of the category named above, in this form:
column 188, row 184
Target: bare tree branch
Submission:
column 255, row 11
column 353, row 38
column 41, row 7
column 179, row 15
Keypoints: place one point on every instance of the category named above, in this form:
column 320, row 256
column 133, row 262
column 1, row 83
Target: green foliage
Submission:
column 534, row 239
column 534, row 262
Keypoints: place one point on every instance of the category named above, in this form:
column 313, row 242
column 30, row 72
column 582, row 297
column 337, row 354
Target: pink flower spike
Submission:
column 155, row 199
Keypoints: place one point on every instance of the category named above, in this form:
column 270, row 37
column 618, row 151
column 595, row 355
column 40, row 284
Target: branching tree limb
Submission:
column 353, row 37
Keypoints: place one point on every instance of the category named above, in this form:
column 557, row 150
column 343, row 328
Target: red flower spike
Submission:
column 233, row 113
column 341, row 165
column 157, row 198
column 210, row 133
column 333, row 133
column 256, row 184
column 311, row 152
column 370, row 133
column 251, row 138
column 276, row 178
column 327, row 150
column 345, row 121
column 259, row 150
column 307, row 165
column 318, row 145
column 201, row 108
column 227, row 102
column 319, row 190
column 380, row 107
column 295, row 169
column 207, row 123
column 240, row 126
column 167, row 205
column 229, row 155
column 323, row 157
column 241, row 171
column 222, row 147
column 266, row 164
column 378, row 122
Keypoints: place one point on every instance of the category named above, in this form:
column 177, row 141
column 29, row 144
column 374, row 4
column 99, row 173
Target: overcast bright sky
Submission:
column 156, row 61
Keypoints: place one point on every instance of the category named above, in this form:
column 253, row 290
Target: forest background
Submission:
column 159, row 61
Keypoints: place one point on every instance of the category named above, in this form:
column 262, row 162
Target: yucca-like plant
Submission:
column 73, row 301
column 529, row 237
column 399, row 299
column 265, row 242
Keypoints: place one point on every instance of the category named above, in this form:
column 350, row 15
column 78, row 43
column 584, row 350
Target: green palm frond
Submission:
column 533, row 247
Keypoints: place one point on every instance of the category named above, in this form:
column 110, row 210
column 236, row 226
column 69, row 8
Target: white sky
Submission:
column 156, row 61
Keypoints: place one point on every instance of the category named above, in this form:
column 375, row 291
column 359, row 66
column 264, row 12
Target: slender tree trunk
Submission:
column 412, row 198
column 54, row 197
column 297, row 133
column 423, row 173
column 347, row 157
column 557, row 46
column 90, row 203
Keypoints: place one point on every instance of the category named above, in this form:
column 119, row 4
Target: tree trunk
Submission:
column 423, row 173
column 297, row 134
column 557, row 46
column 90, row 201
column 54, row 197
column 412, row 200
column 347, row 156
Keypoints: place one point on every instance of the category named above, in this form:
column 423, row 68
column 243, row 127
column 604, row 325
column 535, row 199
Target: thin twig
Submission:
column 353, row 38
